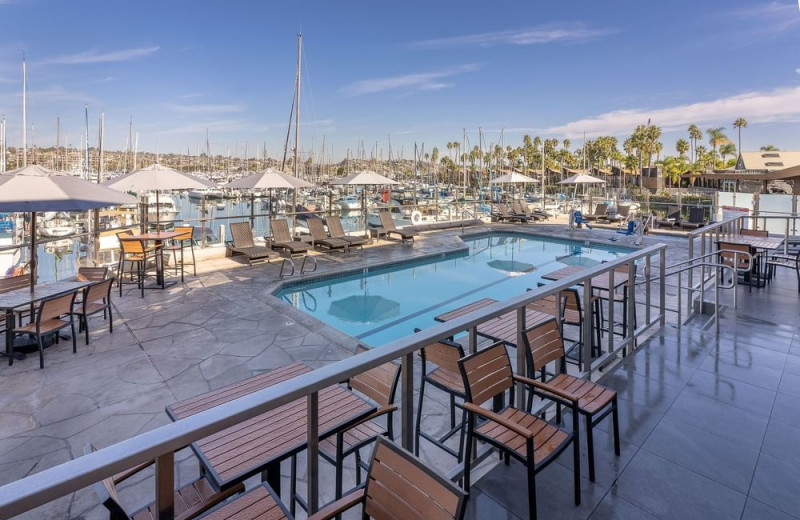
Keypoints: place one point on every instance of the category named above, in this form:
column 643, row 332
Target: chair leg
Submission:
column 590, row 447
column 41, row 350
column 461, row 434
column 576, row 456
column 468, row 450
column 194, row 265
column 358, row 467
column 339, row 462
column 182, row 268
column 615, row 421
column 85, row 320
column 74, row 339
column 531, row 466
column 417, row 426
column 293, row 486
column 110, row 320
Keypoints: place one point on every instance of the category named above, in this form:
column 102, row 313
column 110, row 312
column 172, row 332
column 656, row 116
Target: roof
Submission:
column 768, row 160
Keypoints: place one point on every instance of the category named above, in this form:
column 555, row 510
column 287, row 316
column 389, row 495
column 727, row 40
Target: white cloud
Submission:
column 95, row 56
column 797, row 71
column 778, row 105
column 191, row 95
column 57, row 94
column 420, row 81
column 575, row 32
column 206, row 109
column 772, row 18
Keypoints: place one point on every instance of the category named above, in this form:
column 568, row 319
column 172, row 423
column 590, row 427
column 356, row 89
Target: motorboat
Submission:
column 349, row 203
column 209, row 193
column 56, row 225
column 166, row 213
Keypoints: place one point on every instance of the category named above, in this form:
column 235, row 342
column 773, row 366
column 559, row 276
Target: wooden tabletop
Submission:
column 24, row 296
column 601, row 281
column 157, row 235
column 754, row 241
column 244, row 449
column 502, row 328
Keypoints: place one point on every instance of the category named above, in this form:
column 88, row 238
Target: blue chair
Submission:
column 579, row 219
column 631, row 229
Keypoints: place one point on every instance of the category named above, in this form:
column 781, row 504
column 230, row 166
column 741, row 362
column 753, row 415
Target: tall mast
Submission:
column 88, row 165
column 129, row 155
column 58, row 139
column 3, row 145
column 100, row 144
column 24, row 113
column 297, row 112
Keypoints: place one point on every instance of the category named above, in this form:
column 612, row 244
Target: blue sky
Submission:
column 413, row 71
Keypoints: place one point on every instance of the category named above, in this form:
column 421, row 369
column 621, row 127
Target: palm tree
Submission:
column 739, row 124
column 725, row 150
column 715, row 139
column 566, row 144
column 694, row 135
column 769, row 148
column 682, row 146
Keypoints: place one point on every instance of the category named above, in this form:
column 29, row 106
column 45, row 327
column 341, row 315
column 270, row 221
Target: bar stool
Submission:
column 137, row 256
column 179, row 243
column 447, row 378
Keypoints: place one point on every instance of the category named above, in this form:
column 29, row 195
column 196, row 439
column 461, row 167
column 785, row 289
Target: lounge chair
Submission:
column 600, row 211
column 673, row 217
column 282, row 240
column 521, row 208
column 336, row 231
column 243, row 244
column 320, row 238
column 389, row 228
column 622, row 215
column 697, row 219
column 504, row 215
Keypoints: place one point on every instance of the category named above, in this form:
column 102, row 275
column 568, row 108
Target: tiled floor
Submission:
column 710, row 427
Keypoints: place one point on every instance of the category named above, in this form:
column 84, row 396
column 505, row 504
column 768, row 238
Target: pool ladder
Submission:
column 290, row 263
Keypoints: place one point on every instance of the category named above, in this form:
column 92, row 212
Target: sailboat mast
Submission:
column 24, row 113
column 100, row 144
column 297, row 111
column 3, row 145
column 88, row 165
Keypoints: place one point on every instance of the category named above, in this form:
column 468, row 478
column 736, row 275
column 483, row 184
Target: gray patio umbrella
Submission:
column 267, row 179
column 364, row 178
column 513, row 178
column 33, row 189
column 157, row 177
column 581, row 178
column 364, row 308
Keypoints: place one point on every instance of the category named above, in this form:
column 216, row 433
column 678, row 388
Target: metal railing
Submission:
column 161, row 443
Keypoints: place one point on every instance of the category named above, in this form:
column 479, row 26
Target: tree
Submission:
column 694, row 135
column 739, row 124
column 716, row 137
column 769, row 148
column 725, row 150
column 682, row 146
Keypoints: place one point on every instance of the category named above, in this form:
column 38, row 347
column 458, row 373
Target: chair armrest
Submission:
column 374, row 415
column 547, row 388
column 343, row 504
column 502, row 421
column 128, row 473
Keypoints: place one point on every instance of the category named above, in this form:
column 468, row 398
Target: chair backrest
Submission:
column 316, row 229
column 623, row 211
column 486, row 373
column 279, row 229
column 728, row 254
column 578, row 216
column 401, row 487
column 129, row 246
column 503, row 209
column 52, row 308
column 754, row 232
column 600, row 209
column 242, row 234
column 14, row 282
column 543, row 344
column 386, row 221
column 98, row 291
column 697, row 215
column 572, row 300
column 674, row 212
column 444, row 354
column 335, row 227
column 92, row 274
column 186, row 233
column 378, row 383
column 106, row 491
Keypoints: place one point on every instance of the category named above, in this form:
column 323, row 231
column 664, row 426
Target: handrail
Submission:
column 162, row 442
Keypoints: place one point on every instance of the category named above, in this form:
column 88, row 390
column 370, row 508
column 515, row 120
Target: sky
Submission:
column 380, row 72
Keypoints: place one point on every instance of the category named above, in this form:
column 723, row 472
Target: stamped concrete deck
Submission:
column 224, row 325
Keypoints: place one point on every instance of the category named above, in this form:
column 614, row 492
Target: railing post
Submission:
column 473, row 340
column 716, row 300
column 647, row 289
column 630, row 288
column 690, row 272
column 611, row 275
column 662, row 288
column 407, row 413
column 786, row 238
column 165, row 486
column 587, row 325
column 521, row 354
column 312, row 422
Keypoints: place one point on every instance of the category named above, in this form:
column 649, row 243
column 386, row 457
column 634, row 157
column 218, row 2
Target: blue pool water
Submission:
column 387, row 303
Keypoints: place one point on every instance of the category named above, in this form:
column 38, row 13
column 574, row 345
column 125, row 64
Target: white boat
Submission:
column 349, row 203
column 210, row 193
column 57, row 225
column 166, row 212
column 221, row 206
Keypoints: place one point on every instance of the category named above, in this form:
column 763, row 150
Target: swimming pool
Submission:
column 384, row 304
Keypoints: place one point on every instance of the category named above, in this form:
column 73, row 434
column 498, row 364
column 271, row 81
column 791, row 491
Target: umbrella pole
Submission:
column 158, row 214
column 203, row 220
column 34, row 256
column 252, row 210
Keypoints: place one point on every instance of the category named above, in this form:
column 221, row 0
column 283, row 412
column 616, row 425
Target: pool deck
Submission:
column 702, row 416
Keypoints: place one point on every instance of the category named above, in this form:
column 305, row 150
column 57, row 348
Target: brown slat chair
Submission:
column 12, row 283
column 49, row 321
column 741, row 258
column 446, row 377
column 191, row 500
column 672, row 218
column 281, row 239
column 534, row 442
column 754, row 233
column 387, row 223
column 179, row 243
column 92, row 274
column 320, row 238
column 135, row 253
column 379, row 384
column 600, row 211
column 505, row 215
column 544, row 345
column 399, row 487
column 96, row 298
column 786, row 261
column 571, row 312
column 243, row 243
column 337, row 231
column 697, row 219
